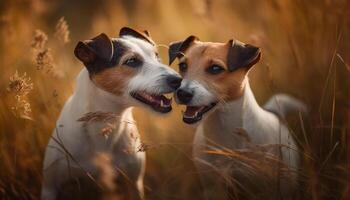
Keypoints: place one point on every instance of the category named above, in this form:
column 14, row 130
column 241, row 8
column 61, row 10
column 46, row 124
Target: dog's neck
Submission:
column 231, row 115
column 88, row 98
column 95, row 99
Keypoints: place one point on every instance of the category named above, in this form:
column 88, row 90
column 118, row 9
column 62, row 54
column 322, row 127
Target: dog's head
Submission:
column 213, row 73
column 129, row 66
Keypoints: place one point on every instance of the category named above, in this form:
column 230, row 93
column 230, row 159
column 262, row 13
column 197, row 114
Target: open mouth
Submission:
column 194, row 114
column 158, row 103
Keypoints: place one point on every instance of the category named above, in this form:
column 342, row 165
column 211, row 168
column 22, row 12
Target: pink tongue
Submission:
column 191, row 110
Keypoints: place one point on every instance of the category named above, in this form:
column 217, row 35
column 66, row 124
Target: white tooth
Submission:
column 161, row 103
column 196, row 114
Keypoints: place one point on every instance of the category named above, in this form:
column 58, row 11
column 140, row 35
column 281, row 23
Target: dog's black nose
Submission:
column 174, row 81
column 184, row 96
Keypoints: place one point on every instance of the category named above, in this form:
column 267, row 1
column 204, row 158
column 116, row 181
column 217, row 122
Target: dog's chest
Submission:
column 122, row 142
column 218, row 128
column 107, row 136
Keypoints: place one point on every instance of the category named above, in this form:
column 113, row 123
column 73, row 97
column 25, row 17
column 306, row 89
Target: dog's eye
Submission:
column 182, row 67
column 215, row 69
column 133, row 62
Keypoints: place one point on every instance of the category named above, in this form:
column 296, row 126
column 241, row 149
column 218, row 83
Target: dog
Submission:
column 235, row 137
column 119, row 73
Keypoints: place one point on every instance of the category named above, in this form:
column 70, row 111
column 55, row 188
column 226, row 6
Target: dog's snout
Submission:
column 184, row 96
column 174, row 81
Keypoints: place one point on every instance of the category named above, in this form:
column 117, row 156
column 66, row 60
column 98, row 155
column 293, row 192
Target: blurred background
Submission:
column 306, row 53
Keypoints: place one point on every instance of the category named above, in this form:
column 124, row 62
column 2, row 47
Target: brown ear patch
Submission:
column 137, row 34
column 96, row 53
column 103, row 46
column 84, row 53
column 98, row 47
column 100, row 53
column 242, row 55
column 176, row 49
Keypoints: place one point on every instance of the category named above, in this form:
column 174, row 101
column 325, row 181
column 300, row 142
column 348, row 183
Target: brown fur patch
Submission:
column 114, row 79
column 201, row 55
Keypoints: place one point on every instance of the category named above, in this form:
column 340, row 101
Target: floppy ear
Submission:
column 242, row 55
column 97, row 50
column 137, row 34
column 176, row 48
column 84, row 53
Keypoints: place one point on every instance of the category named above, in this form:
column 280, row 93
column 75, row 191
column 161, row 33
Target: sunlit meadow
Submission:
column 306, row 53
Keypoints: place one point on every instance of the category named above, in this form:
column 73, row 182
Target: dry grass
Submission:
column 62, row 31
column 20, row 87
column 306, row 52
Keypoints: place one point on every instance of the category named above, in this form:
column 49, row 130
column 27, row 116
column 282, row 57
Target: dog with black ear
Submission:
column 237, row 142
column 119, row 73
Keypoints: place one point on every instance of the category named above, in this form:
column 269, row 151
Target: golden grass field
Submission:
column 306, row 53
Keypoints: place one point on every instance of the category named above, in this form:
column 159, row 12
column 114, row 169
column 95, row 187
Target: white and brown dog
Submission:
column 119, row 73
column 234, row 127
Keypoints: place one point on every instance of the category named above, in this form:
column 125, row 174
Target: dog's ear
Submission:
column 177, row 48
column 85, row 53
column 99, row 47
column 242, row 55
column 144, row 35
column 174, row 50
column 97, row 50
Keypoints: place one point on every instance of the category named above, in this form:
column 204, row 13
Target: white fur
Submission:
column 83, row 142
column 201, row 95
column 282, row 104
column 151, row 76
